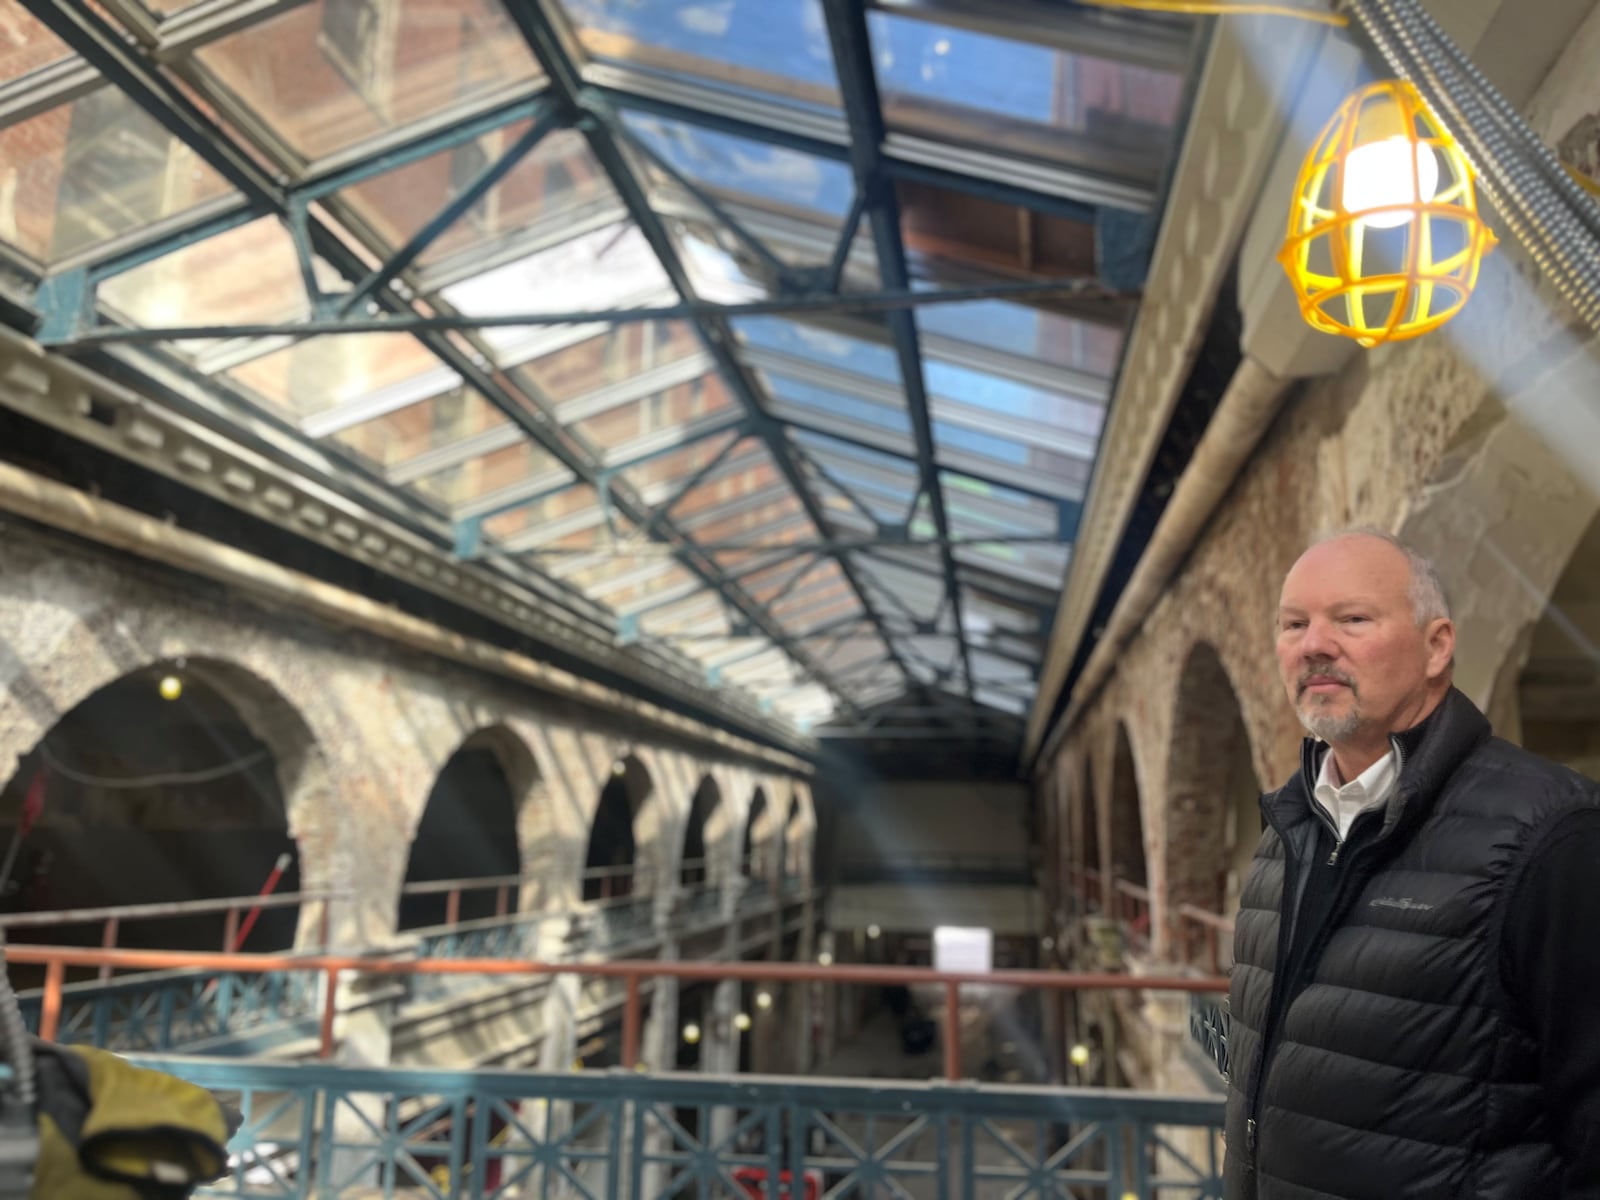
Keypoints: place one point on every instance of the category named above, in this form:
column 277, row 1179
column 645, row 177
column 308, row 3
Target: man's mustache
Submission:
column 1324, row 675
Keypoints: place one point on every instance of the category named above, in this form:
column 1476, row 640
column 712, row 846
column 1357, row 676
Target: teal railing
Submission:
column 321, row 1132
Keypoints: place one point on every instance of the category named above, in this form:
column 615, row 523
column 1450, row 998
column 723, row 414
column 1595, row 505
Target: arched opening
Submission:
column 1127, row 821
column 794, row 839
column 160, row 787
column 1213, row 814
column 753, row 854
column 1086, row 850
column 1558, row 690
column 610, row 866
column 694, row 870
column 468, row 831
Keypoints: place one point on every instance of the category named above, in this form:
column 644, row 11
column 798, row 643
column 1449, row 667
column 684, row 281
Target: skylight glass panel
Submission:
column 778, row 47
column 608, row 268
column 662, row 419
column 992, row 394
column 376, row 372
column 245, row 275
column 25, row 44
column 569, row 516
column 621, row 353
column 490, row 475
column 328, row 75
column 1051, row 338
column 1009, row 95
column 883, row 483
column 410, row 433
column 821, row 346
column 91, row 170
column 748, row 169
column 658, row 479
column 811, row 403
column 554, row 179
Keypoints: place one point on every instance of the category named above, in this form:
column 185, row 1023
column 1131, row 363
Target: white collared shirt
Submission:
column 1344, row 802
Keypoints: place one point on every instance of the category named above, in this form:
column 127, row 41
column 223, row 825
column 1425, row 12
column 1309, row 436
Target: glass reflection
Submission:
column 401, row 436
column 25, row 44
column 82, row 173
column 774, row 46
column 333, row 73
column 324, row 373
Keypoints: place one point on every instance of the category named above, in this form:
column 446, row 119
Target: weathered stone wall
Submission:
column 360, row 728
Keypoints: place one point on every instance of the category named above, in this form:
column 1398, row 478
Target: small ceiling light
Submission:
column 824, row 959
column 1079, row 1055
column 741, row 1022
column 1385, row 239
column 1047, row 943
column 691, row 1033
column 619, row 769
column 873, row 931
column 171, row 687
column 763, row 1000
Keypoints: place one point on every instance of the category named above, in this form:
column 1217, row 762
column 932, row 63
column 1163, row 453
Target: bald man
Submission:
column 1416, row 991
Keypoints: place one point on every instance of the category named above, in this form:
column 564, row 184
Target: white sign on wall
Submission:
column 961, row 948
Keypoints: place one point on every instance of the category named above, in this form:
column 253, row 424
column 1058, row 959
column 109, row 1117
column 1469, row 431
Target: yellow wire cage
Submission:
column 1391, row 263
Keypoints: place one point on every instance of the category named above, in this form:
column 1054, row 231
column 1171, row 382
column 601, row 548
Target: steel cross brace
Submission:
column 87, row 33
column 858, row 86
column 602, row 130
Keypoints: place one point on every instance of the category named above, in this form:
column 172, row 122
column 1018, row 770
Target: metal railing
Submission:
column 401, row 1126
column 332, row 1132
column 332, row 969
column 1197, row 938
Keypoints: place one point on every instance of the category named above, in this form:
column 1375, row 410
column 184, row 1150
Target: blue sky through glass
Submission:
column 997, row 395
column 735, row 165
column 957, row 66
column 779, row 37
column 822, row 346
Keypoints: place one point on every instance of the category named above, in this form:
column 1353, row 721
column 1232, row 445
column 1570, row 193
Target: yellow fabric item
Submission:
column 109, row 1130
column 146, row 1125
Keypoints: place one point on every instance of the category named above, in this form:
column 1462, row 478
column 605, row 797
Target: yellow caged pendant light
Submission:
column 1385, row 238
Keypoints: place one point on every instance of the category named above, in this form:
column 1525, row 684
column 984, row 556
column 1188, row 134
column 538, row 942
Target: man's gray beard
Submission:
column 1328, row 727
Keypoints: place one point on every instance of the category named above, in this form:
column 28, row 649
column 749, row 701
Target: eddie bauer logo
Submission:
column 1403, row 902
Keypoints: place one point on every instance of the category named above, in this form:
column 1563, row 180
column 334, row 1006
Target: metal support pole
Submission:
column 502, row 900
column 630, row 1024
column 952, row 1030
column 55, row 973
column 108, row 941
column 230, row 932
column 452, row 907
column 330, row 1010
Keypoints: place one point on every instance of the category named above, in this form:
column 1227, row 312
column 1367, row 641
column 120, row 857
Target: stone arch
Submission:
column 701, row 834
column 793, row 869
column 1212, row 812
column 755, row 853
column 617, row 862
column 1557, row 666
column 211, row 836
column 799, row 835
column 469, row 826
column 1124, row 847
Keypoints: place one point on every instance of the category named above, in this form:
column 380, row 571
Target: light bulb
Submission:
column 763, row 999
column 171, row 687
column 824, row 959
column 1379, row 174
column 691, row 1033
column 1079, row 1055
column 873, row 931
column 741, row 1022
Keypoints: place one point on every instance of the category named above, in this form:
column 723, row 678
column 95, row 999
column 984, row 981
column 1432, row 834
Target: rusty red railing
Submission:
column 56, row 960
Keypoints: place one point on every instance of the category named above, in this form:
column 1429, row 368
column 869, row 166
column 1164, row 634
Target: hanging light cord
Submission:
column 1224, row 8
column 145, row 781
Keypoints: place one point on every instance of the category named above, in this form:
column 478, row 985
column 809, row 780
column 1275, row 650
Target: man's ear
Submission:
column 1441, row 647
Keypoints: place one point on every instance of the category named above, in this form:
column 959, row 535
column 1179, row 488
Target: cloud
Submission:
column 711, row 20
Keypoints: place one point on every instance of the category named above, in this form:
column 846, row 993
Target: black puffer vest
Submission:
column 1394, row 1067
